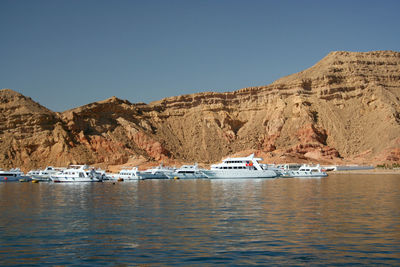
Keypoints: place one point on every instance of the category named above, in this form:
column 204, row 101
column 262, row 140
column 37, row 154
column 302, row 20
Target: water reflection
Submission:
column 335, row 220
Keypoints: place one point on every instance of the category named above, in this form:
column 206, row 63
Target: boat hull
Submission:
column 41, row 178
column 186, row 175
column 153, row 176
column 13, row 175
column 73, row 180
column 11, row 178
column 240, row 174
column 304, row 174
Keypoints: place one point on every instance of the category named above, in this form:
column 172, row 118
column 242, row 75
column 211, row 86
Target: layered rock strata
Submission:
column 346, row 108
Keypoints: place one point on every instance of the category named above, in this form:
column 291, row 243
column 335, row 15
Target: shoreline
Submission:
column 373, row 171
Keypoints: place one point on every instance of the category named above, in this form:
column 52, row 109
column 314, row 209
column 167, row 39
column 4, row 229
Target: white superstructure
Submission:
column 158, row 172
column 44, row 175
column 239, row 168
column 289, row 166
column 128, row 173
column 31, row 173
column 187, row 172
column 307, row 171
column 76, row 173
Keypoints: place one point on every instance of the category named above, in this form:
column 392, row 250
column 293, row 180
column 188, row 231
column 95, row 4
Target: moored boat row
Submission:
column 230, row 168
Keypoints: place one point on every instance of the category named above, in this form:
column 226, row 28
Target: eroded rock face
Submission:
column 344, row 108
column 30, row 134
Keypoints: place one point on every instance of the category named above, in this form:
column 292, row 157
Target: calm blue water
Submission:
column 339, row 220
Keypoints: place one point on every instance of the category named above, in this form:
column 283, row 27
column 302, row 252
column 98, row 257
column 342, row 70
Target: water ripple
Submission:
column 339, row 220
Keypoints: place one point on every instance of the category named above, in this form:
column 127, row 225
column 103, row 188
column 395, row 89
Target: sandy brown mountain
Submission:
column 345, row 109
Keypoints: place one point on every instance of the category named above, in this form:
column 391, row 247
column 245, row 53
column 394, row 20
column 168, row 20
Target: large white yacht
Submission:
column 187, row 172
column 307, row 171
column 76, row 173
column 239, row 168
column 12, row 175
column 158, row 172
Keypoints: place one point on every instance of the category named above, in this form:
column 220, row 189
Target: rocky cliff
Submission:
column 346, row 108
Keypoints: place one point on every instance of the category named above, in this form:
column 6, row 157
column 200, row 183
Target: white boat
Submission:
column 187, row 172
column 76, row 173
column 240, row 168
column 158, row 172
column 102, row 174
column 306, row 171
column 13, row 175
column 44, row 175
column 289, row 166
column 283, row 169
column 31, row 173
column 131, row 173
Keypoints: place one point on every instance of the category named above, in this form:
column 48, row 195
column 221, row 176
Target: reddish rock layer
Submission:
column 346, row 108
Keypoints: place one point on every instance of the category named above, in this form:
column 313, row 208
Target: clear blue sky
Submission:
column 65, row 54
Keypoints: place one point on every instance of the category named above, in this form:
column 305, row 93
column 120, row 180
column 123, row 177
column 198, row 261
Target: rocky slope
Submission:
column 346, row 108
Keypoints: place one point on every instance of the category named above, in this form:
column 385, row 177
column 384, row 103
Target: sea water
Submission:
column 338, row 220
